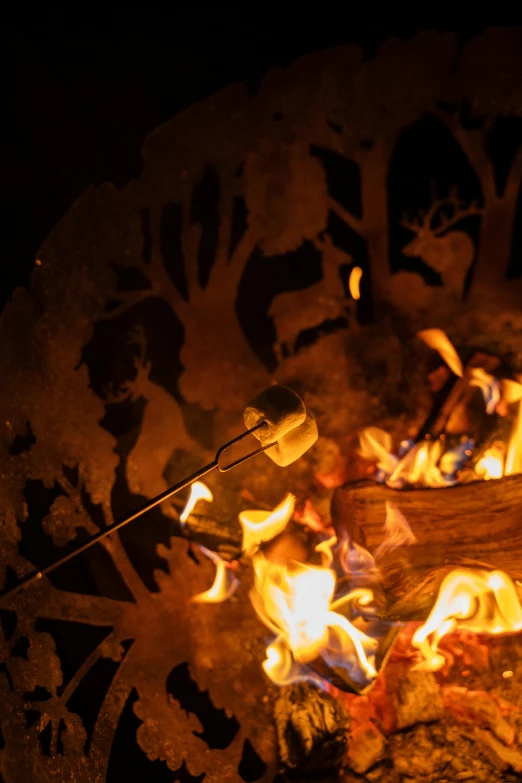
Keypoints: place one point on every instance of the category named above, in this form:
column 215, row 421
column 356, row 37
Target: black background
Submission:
column 89, row 86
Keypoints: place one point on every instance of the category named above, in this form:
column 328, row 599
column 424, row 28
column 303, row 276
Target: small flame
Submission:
column 225, row 583
column 473, row 600
column 438, row 340
column 354, row 282
column 489, row 387
column 491, row 464
column 397, row 531
column 281, row 667
column 425, row 464
column 420, row 467
column 198, row 491
column 261, row 526
column 376, row 444
column 325, row 549
column 511, row 391
column 355, row 561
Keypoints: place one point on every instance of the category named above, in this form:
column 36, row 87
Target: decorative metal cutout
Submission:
column 157, row 311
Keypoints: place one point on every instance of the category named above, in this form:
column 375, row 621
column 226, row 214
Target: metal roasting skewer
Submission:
column 37, row 574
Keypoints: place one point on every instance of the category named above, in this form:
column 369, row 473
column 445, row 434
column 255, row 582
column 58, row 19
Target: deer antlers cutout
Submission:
column 423, row 221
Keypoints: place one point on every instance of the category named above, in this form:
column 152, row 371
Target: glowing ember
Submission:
column 438, row 340
column 473, row 600
column 355, row 281
column 225, row 583
column 309, row 517
column 198, row 491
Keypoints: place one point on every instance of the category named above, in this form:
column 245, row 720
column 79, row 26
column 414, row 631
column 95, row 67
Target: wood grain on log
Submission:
column 477, row 524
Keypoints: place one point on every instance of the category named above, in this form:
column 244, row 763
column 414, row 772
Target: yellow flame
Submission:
column 376, row 444
column 261, row 526
column 325, row 550
column 420, row 466
column 281, row 667
column 491, row 464
column 510, row 391
column 397, row 531
column 295, row 602
column 198, row 491
column 514, row 451
column 354, row 282
column 438, row 340
column 225, row 583
column 474, row 600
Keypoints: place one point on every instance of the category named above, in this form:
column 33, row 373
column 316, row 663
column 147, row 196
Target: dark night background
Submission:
column 89, row 88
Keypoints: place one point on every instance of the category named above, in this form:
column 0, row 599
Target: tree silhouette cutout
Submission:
column 144, row 288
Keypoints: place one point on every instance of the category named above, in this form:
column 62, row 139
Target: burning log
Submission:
column 476, row 524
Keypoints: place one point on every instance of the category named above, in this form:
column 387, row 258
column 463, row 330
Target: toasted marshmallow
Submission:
column 288, row 425
column 294, row 444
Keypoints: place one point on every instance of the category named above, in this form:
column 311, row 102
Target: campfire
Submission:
column 414, row 572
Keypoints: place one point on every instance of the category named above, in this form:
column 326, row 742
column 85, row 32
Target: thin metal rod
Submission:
column 36, row 575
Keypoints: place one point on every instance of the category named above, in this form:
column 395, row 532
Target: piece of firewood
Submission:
column 477, row 524
column 311, row 729
column 220, row 534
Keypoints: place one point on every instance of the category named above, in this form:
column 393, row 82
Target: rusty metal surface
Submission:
column 154, row 313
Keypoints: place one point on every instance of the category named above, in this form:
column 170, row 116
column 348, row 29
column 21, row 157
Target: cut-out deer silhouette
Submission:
column 295, row 311
column 162, row 427
column 450, row 253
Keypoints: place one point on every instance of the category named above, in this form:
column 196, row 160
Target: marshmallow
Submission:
column 290, row 427
column 280, row 407
column 294, row 444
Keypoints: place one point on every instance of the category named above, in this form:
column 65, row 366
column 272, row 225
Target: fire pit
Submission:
column 351, row 231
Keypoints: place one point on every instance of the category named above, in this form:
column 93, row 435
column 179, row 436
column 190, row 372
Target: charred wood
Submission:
column 311, row 731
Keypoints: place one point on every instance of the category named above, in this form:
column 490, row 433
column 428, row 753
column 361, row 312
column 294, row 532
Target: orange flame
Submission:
column 225, row 583
column 514, row 451
column 376, row 444
column 354, row 282
column 474, row 600
column 198, row 491
column 438, row 340
column 261, row 526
